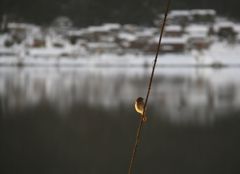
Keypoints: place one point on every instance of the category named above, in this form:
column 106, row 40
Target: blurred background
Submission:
column 89, row 12
column 70, row 71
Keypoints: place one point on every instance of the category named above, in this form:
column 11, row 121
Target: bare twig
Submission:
column 140, row 126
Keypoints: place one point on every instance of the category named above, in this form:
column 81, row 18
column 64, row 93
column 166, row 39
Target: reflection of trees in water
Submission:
column 180, row 96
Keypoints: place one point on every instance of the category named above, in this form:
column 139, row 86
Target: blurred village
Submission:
column 187, row 31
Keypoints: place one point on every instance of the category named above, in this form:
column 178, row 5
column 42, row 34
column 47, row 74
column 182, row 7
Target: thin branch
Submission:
column 140, row 126
column 157, row 53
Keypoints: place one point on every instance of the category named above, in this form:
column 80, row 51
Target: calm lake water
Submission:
column 82, row 120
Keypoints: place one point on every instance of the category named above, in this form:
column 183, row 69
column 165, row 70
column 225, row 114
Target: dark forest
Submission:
column 92, row 12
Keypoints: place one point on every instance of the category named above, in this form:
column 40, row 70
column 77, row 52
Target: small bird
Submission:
column 139, row 107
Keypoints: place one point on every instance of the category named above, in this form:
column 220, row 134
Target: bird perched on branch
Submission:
column 139, row 107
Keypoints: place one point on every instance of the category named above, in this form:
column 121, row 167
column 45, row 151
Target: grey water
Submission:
column 82, row 120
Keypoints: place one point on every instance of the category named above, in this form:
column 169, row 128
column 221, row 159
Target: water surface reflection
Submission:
column 182, row 94
column 81, row 120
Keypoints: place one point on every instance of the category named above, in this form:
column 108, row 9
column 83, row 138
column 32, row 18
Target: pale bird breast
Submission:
column 139, row 107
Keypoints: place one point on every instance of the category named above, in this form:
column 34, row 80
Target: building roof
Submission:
column 171, row 40
column 175, row 13
column 104, row 28
column 76, row 32
column 127, row 36
column 173, row 28
column 197, row 30
column 146, row 32
column 223, row 24
column 203, row 12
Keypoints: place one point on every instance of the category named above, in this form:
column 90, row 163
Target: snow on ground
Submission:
column 101, row 60
column 219, row 54
column 225, row 54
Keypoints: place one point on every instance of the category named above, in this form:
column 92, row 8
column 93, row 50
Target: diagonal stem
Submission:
column 140, row 126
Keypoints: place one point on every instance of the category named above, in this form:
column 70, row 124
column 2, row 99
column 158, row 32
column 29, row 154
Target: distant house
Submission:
column 137, row 44
column 75, row 35
column 101, row 47
column 179, row 17
column 145, row 33
column 225, row 30
column 203, row 16
column 101, row 33
column 173, row 31
column 18, row 31
column 5, row 46
column 130, row 28
column 97, row 32
column 90, row 34
column 112, row 27
column 125, row 39
column 168, row 44
column 38, row 43
column 142, row 37
column 185, row 17
column 198, row 36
